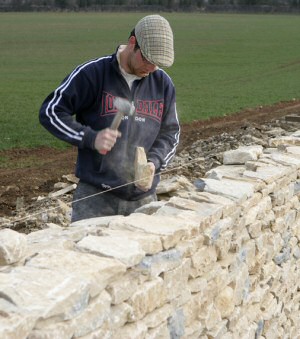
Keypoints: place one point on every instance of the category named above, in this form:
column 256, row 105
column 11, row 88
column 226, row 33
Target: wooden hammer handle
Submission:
column 117, row 120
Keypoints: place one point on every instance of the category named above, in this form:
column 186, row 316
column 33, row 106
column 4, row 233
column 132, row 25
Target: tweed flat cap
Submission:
column 155, row 38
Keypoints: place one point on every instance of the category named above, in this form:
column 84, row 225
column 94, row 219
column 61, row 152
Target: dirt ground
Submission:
column 33, row 172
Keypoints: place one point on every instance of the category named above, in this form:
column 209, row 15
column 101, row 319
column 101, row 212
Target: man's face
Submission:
column 138, row 65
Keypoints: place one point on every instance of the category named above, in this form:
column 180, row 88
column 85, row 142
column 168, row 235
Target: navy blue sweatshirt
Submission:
column 88, row 94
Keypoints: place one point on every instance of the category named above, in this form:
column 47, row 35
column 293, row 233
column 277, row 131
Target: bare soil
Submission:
column 30, row 173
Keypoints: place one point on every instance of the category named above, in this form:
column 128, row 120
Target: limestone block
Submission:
column 215, row 271
column 198, row 284
column 175, row 280
column 203, row 259
column 174, row 183
column 216, row 230
column 191, row 309
column 210, row 316
column 292, row 139
column 15, row 322
column 293, row 150
column 247, row 332
column 270, row 270
column 278, row 226
column 273, row 330
column 228, row 261
column 241, row 284
column 123, row 249
column 280, row 197
column 257, row 295
column 171, row 230
column 188, row 247
column 286, row 159
column 254, row 315
column 158, row 316
column 123, row 288
column 224, row 302
column 137, row 330
column 97, row 222
column 48, row 293
column 13, row 246
column 97, row 271
column 228, row 171
column 94, row 316
column 258, row 211
column 290, row 218
column 176, row 324
column 150, row 208
column 268, row 243
column 240, row 326
column 219, row 330
column 183, row 298
column 159, row 332
column 268, row 174
column 147, row 298
column 54, row 244
column 283, row 256
column 251, row 202
column 160, row 262
column 229, row 206
column 254, row 229
column 239, row 237
column 119, row 315
column 149, row 243
column 270, row 188
column 269, row 307
column 242, row 154
column 194, row 330
column 222, row 280
column 61, row 330
column 236, row 315
column 285, row 182
column 247, row 253
column 186, row 215
column 296, row 252
column 223, row 245
column 206, row 210
column 228, row 335
column 295, row 204
column 268, row 220
column 51, row 234
column 296, row 230
column 235, row 190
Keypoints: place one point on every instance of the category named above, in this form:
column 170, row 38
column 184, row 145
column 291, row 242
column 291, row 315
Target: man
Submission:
column 105, row 163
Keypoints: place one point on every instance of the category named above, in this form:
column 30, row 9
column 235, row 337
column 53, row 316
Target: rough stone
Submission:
column 13, row 246
column 123, row 249
column 98, row 271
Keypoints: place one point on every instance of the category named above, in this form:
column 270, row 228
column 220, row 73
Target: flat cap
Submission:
column 155, row 38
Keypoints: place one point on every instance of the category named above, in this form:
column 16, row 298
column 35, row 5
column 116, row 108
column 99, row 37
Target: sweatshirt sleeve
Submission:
column 57, row 112
column 164, row 147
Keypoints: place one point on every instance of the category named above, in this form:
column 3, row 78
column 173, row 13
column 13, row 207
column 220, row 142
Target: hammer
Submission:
column 124, row 107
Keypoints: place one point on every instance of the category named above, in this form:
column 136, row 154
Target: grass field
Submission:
column 224, row 62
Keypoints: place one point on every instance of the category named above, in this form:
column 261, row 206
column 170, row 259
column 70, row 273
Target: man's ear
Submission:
column 132, row 40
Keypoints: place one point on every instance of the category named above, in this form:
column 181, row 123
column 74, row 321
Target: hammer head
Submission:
column 124, row 106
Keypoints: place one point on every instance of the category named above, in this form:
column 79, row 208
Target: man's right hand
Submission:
column 106, row 139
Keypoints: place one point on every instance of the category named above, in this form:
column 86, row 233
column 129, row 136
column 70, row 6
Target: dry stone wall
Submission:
column 215, row 260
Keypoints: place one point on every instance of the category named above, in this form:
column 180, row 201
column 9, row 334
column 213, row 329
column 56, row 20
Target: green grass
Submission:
column 223, row 62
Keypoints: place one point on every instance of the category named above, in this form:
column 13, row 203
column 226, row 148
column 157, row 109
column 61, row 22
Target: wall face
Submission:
column 220, row 263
